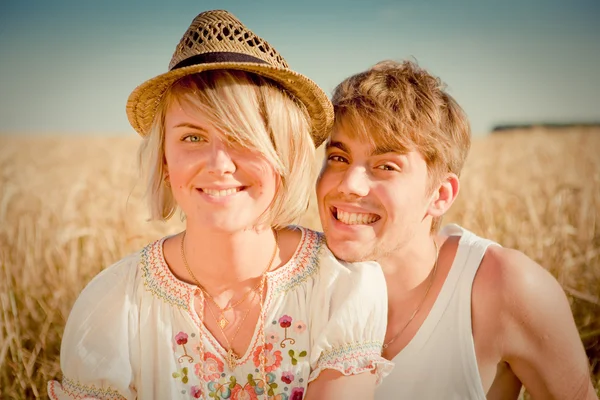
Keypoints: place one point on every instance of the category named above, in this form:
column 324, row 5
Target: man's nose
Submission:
column 355, row 182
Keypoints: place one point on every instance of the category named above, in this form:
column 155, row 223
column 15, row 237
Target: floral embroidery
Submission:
column 221, row 388
column 287, row 377
column 211, row 368
column 196, row 392
column 259, row 385
column 246, row 392
column 272, row 359
column 232, row 389
column 299, row 327
column 295, row 357
column 272, row 337
column 183, row 374
column 181, row 339
column 297, row 393
column 285, row 322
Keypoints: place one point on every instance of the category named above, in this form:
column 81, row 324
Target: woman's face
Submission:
column 220, row 186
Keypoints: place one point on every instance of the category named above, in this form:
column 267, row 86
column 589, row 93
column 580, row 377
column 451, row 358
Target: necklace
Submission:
column 222, row 321
column 435, row 264
column 261, row 335
column 231, row 357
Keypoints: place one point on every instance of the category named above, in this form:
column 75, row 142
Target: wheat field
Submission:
column 70, row 206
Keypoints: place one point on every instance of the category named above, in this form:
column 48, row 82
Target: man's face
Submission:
column 371, row 201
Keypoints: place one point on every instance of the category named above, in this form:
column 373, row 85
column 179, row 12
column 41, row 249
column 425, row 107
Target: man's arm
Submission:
column 333, row 385
column 538, row 336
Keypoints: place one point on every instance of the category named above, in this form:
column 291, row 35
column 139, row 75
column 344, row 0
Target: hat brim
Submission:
column 144, row 100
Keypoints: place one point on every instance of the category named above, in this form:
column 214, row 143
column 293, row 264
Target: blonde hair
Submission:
column 253, row 112
column 401, row 107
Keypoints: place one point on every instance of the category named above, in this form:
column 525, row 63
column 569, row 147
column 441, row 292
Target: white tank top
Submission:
column 439, row 362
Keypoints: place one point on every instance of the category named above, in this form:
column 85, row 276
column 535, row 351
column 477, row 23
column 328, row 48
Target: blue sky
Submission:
column 68, row 66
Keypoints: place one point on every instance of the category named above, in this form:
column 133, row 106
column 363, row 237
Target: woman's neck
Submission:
column 221, row 261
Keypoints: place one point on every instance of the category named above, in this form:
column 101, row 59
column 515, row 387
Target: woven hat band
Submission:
column 218, row 57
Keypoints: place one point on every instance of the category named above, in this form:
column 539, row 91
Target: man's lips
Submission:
column 351, row 216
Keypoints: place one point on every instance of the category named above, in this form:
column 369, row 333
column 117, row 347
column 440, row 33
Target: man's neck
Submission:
column 408, row 268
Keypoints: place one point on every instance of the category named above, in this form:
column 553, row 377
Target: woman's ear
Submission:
column 166, row 177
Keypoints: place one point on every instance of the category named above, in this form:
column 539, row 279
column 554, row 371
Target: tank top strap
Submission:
column 470, row 252
column 474, row 249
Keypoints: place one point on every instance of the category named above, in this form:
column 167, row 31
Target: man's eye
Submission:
column 385, row 167
column 337, row 158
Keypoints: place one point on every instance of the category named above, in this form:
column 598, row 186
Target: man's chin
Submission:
column 349, row 252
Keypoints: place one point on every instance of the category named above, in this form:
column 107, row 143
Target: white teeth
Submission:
column 356, row 218
column 221, row 193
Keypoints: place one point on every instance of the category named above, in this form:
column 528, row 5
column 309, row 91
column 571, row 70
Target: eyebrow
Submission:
column 381, row 150
column 378, row 151
column 189, row 125
column 337, row 145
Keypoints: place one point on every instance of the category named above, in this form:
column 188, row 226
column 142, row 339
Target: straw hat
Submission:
column 218, row 40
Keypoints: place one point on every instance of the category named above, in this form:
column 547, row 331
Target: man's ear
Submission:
column 443, row 197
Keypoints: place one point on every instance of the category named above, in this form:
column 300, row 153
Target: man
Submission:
column 467, row 319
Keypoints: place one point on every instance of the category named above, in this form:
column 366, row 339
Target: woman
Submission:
column 240, row 305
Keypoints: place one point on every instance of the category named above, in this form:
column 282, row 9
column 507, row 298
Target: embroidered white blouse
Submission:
column 134, row 332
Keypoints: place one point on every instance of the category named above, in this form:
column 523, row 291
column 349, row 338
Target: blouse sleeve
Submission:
column 95, row 349
column 349, row 318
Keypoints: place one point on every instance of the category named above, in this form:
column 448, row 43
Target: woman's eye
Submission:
column 193, row 138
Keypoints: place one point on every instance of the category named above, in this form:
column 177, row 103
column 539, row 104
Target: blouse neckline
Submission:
column 160, row 280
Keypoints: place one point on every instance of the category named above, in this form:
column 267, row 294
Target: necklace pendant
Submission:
column 231, row 359
column 223, row 322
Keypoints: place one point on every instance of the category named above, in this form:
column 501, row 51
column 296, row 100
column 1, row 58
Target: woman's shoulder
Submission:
column 300, row 248
column 112, row 284
column 117, row 273
column 121, row 277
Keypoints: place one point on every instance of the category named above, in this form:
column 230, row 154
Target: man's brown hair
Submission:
column 402, row 108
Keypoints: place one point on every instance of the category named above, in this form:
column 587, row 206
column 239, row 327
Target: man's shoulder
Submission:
column 515, row 289
column 511, row 272
column 502, row 270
